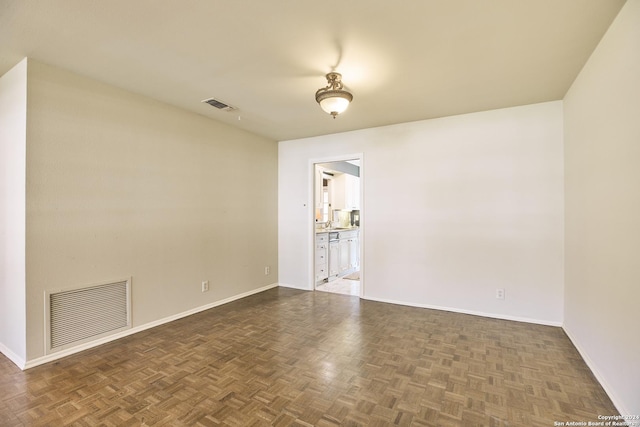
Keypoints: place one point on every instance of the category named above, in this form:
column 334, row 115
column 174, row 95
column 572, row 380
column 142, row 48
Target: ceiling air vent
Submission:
column 219, row 104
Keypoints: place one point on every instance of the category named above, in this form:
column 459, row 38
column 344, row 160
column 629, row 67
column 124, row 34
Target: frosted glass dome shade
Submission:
column 336, row 104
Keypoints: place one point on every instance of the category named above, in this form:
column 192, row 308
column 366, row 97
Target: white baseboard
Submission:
column 617, row 402
column 286, row 285
column 67, row 352
column 19, row 361
column 472, row 312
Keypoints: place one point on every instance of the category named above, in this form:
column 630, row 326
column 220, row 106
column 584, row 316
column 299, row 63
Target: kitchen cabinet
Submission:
column 354, row 253
column 334, row 259
column 352, row 192
column 322, row 257
column 344, row 261
column 349, row 251
column 346, row 192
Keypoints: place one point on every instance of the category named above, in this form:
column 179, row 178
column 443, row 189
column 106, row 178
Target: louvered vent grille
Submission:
column 219, row 104
column 79, row 315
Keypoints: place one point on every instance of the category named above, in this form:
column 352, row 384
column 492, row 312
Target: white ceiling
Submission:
column 404, row 60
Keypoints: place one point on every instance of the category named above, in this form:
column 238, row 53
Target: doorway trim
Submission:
column 311, row 226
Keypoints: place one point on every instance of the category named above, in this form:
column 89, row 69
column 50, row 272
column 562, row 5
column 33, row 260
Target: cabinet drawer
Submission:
column 348, row 234
column 321, row 255
column 321, row 274
column 322, row 238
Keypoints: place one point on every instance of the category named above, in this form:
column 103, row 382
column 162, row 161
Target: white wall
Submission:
column 13, row 128
column 453, row 209
column 602, row 143
column 120, row 185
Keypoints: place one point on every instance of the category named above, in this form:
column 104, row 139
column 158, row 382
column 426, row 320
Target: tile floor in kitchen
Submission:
column 341, row 286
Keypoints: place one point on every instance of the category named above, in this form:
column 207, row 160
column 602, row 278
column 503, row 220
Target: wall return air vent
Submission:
column 219, row 104
column 80, row 315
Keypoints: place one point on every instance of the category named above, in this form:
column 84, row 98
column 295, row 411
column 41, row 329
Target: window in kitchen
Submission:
column 325, row 202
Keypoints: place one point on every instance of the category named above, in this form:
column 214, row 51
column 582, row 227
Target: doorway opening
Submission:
column 337, row 226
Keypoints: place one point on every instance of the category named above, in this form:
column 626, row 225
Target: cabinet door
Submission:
column 353, row 253
column 344, row 255
column 334, row 259
column 352, row 192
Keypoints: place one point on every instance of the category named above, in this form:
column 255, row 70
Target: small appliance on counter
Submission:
column 341, row 218
column 355, row 218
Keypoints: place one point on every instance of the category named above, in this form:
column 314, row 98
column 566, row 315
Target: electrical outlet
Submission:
column 500, row 293
column 205, row 286
column 267, row 270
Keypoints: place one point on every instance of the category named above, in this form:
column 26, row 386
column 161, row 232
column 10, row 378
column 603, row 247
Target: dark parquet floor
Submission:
column 293, row 358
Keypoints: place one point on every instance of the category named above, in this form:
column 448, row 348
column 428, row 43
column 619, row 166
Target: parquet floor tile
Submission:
column 293, row 358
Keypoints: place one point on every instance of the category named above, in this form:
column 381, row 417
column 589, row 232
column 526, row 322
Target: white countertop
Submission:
column 332, row 230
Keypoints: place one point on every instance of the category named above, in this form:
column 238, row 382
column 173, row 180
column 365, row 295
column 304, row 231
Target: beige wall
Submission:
column 602, row 140
column 453, row 209
column 13, row 127
column 120, row 185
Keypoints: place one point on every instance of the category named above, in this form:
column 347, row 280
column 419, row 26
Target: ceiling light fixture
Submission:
column 334, row 99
